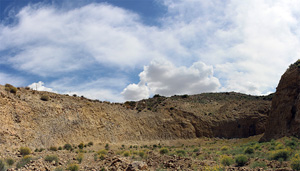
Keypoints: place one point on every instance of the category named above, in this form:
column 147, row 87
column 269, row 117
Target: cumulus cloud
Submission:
column 136, row 92
column 40, row 87
column 47, row 41
column 247, row 44
column 250, row 43
column 162, row 77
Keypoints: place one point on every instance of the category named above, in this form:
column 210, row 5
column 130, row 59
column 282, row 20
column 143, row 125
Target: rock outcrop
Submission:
column 27, row 119
column 284, row 119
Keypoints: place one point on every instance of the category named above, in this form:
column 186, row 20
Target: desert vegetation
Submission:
column 296, row 64
column 196, row 154
column 45, row 98
column 10, row 88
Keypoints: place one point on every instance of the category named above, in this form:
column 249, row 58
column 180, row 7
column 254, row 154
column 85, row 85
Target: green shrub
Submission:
column 25, row 160
column 291, row 143
column 45, row 98
column 80, row 146
column 95, row 157
column 73, row 167
column 126, row 153
column 156, row 96
column 67, row 146
column 106, row 146
column 10, row 88
column 13, row 90
column 25, row 151
column 196, row 150
column 257, row 147
column 185, row 96
column 296, row 64
column 273, row 142
column 10, row 161
column 241, row 160
column 39, row 150
column 102, row 152
column 141, row 154
column 90, row 143
column 258, row 164
column 279, row 146
column 51, row 158
column 181, row 152
column 236, row 150
column 53, row 148
column 60, row 148
column 2, row 165
column 271, row 148
column 80, row 151
column 79, row 157
column 102, row 156
column 163, row 151
column 280, row 155
column 295, row 162
column 249, row 150
column 27, row 157
column 226, row 160
column 224, row 148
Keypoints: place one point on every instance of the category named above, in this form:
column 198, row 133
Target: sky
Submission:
column 123, row 50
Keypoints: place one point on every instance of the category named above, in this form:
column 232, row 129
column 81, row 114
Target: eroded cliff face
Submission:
column 284, row 119
column 26, row 120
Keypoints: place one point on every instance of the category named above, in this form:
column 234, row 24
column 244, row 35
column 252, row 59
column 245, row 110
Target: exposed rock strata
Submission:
column 26, row 120
column 284, row 117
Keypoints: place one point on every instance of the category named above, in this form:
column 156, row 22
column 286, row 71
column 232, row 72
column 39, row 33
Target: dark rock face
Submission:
column 284, row 119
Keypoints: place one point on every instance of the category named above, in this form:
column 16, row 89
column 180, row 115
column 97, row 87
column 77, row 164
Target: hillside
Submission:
column 26, row 120
column 284, row 116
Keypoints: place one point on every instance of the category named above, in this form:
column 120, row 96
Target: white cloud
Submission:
column 88, row 90
column 105, row 89
column 248, row 43
column 48, row 41
column 40, row 87
column 134, row 92
column 162, row 77
column 101, row 94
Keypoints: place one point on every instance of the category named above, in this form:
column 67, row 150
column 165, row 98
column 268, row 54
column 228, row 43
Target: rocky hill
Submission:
column 42, row 119
column 284, row 117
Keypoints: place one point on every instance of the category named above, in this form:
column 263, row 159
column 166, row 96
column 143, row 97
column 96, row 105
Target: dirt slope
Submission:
column 26, row 120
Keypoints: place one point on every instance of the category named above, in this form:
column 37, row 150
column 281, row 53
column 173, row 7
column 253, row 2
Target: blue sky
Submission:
column 120, row 50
